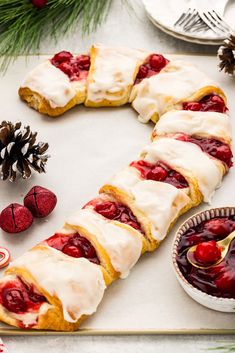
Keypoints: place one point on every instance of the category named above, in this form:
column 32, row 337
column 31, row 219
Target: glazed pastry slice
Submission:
column 156, row 205
column 178, row 82
column 57, row 84
column 188, row 158
column 205, row 124
column 112, row 74
column 64, row 290
column 120, row 243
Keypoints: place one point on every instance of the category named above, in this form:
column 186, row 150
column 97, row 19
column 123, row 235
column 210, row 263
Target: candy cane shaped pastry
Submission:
column 112, row 74
column 56, row 85
column 61, row 281
column 179, row 84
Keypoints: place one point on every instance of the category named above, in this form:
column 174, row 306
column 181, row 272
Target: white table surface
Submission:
column 133, row 30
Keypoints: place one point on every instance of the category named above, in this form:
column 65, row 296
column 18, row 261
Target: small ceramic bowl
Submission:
column 212, row 302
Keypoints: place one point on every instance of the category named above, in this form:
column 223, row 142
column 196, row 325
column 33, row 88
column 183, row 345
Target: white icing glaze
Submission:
column 192, row 123
column 78, row 283
column 114, row 71
column 30, row 318
column 161, row 202
column 126, row 178
column 123, row 245
column 177, row 81
column 53, row 84
column 190, row 157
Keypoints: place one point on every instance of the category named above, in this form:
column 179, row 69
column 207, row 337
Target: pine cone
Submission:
column 19, row 151
column 226, row 54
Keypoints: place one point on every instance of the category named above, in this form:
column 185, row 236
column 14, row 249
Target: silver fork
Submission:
column 190, row 21
column 216, row 22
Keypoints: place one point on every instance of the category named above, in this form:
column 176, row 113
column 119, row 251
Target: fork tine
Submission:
column 217, row 22
column 179, row 19
column 207, row 19
column 183, row 17
column 222, row 21
column 190, row 20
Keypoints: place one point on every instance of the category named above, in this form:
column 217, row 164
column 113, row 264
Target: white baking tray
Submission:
column 87, row 146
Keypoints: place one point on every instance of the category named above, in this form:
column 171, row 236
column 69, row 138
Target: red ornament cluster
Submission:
column 39, row 202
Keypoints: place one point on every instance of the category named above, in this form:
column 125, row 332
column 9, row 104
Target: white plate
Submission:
column 87, row 146
column 164, row 14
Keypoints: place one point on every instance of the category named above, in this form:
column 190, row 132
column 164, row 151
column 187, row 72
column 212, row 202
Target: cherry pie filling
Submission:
column 209, row 103
column 115, row 211
column 20, row 298
column 160, row 171
column 152, row 66
column 75, row 67
column 218, row 280
column 213, row 147
column 74, row 245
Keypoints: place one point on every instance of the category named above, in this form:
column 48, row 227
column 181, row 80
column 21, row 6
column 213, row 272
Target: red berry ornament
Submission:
column 40, row 201
column 207, row 252
column 39, row 3
column 15, row 218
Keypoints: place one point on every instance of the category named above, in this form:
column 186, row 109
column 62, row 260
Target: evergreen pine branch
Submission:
column 23, row 26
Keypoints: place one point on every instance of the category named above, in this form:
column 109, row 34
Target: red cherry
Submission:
column 207, row 252
column 83, row 62
column 35, row 297
column 194, row 106
column 218, row 226
column 39, row 3
column 107, row 209
column 133, row 224
column 66, row 68
column 143, row 72
column 13, row 300
column 224, row 153
column 63, row 56
column 72, row 250
column 15, row 218
column 225, row 281
column 40, row 201
column 157, row 173
column 217, row 99
column 157, row 62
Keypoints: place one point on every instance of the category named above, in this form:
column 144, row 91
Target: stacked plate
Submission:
column 164, row 14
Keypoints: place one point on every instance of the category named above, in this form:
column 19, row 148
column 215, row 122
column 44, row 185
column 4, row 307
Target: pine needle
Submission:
column 23, row 26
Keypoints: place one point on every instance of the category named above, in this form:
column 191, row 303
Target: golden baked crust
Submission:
column 41, row 104
column 124, row 198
